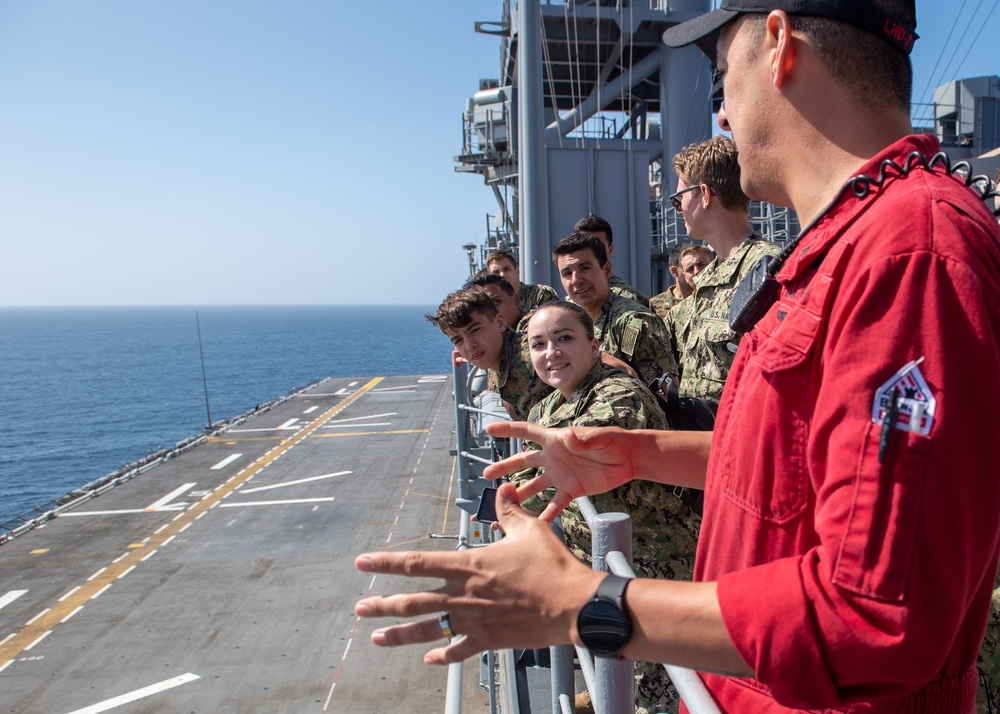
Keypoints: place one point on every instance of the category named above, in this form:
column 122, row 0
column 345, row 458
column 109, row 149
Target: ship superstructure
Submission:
column 587, row 110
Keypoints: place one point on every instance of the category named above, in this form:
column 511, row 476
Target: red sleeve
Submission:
column 895, row 592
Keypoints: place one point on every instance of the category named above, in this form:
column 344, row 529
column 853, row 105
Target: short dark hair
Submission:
column 571, row 307
column 872, row 69
column 714, row 162
column 580, row 241
column 594, row 224
column 499, row 254
column 458, row 309
column 674, row 259
column 484, row 279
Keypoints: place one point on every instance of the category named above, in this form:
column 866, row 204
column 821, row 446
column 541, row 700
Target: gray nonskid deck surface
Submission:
column 222, row 583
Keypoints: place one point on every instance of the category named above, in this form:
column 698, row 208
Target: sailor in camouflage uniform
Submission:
column 482, row 337
column 503, row 263
column 597, row 226
column 674, row 321
column 706, row 343
column 686, row 261
column 624, row 328
column 502, row 294
column 714, row 208
column 988, row 661
column 589, row 393
column 661, row 303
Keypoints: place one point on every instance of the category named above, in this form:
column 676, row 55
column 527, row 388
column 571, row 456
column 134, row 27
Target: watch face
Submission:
column 602, row 628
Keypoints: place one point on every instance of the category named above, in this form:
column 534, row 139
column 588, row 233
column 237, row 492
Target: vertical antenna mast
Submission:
column 204, row 379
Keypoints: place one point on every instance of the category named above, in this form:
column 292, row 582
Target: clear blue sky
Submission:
column 194, row 152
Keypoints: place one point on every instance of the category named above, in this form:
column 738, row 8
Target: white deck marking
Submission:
column 63, row 621
column 37, row 616
column 10, row 597
column 310, row 410
column 47, row 633
column 297, row 481
column 70, row 593
column 395, row 390
column 290, row 424
column 370, row 416
column 137, row 694
column 158, row 505
column 176, row 507
column 352, row 384
column 126, row 572
column 348, row 426
column 276, row 503
column 225, row 462
column 340, row 392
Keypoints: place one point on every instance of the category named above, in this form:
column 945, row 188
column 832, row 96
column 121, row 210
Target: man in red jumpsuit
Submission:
column 851, row 530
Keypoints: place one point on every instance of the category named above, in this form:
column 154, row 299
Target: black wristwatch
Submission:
column 603, row 623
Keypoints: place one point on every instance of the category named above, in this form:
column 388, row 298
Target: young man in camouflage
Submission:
column 714, row 208
column 624, row 328
column 482, row 337
column 686, row 261
column 694, row 260
column 503, row 294
column 588, row 393
column 662, row 302
column 503, row 263
column 597, row 226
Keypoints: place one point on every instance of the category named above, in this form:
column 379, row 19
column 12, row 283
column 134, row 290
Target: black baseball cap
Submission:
column 704, row 30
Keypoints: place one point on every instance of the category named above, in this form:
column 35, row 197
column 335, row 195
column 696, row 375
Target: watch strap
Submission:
column 613, row 588
column 603, row 623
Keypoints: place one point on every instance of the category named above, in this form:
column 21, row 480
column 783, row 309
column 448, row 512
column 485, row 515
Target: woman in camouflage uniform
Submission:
column 586, row 392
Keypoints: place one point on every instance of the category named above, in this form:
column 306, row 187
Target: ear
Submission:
column 595, row 349
column 782, row 45
column 706, row 195
column 607, row 269
column 501, row 322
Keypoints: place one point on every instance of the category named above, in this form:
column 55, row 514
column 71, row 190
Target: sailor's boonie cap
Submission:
column 704, row 30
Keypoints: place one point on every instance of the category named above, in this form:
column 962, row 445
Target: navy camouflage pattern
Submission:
column 633, row 334
column 705, row 342
column 531, row 296
column 664, row 530
column 622, row 289
column 661, row 304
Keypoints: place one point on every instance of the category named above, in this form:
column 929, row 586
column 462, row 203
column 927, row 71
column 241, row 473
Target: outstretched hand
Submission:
column 577, row 461
column 523, row 591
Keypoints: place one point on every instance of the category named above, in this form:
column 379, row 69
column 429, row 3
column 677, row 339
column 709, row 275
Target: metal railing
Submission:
column 609, row 681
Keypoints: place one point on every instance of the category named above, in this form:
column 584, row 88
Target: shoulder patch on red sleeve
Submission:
column 915, row 404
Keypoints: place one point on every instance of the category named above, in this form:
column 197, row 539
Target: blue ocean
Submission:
column 85, row 391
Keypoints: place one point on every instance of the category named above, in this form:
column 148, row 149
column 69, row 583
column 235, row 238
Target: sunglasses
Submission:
column 675, row 198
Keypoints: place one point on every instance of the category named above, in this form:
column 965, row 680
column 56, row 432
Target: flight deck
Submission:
column 222, row 580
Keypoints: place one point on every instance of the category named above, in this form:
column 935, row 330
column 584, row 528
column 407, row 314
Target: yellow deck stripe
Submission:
column 39, row 627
